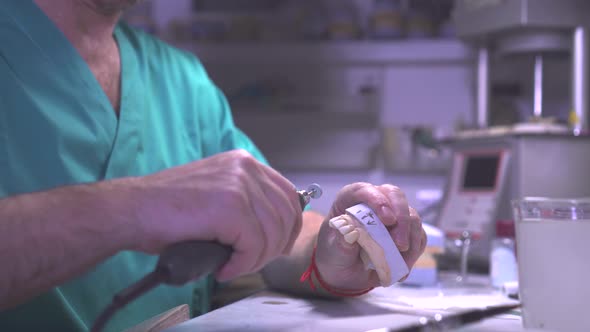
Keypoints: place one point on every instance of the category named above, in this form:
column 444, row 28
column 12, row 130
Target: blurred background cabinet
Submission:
column 333, row 91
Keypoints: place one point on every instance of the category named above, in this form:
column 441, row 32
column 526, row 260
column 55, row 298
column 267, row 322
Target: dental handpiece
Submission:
column 183, row 262
column 191, row 260
column 313, row 191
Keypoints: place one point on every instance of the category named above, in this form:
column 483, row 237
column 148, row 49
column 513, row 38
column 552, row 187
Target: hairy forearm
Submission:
column 49, row 237
column 283, row 274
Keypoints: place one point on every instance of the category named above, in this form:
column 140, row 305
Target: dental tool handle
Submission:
column 190, row 260
column 178, row 264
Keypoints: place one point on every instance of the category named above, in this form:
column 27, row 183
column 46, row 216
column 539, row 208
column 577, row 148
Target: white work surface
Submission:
column 393, row 307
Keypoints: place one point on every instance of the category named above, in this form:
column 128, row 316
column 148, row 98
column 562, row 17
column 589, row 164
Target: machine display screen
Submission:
column 481, row 172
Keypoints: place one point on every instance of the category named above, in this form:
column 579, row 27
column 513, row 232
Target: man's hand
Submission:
column 230, row 198
column 339, row 263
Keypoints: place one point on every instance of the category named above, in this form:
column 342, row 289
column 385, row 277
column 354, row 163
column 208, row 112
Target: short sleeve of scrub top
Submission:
column 57, row 127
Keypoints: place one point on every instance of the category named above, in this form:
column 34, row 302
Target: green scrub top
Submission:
column 57, row 127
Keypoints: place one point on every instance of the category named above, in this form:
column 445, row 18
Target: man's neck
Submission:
column 85, row 26
column 90, row 31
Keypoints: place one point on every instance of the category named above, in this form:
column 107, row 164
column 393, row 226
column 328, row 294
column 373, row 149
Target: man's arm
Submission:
column 283, row 274
column 49, row 237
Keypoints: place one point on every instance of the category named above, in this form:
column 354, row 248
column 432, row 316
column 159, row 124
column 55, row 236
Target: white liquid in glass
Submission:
column 554, row 273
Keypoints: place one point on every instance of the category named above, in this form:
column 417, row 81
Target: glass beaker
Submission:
column 552, row 241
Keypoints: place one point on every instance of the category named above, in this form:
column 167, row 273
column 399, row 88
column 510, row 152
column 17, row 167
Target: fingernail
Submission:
column 401, row 240
column 388, row 216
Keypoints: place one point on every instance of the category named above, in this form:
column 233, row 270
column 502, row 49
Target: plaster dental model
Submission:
column 378, row 251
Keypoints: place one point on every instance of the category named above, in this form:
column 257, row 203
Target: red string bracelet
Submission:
column 313, row 269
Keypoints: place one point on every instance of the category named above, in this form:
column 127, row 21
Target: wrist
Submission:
column 116, row 203
column 313, row 276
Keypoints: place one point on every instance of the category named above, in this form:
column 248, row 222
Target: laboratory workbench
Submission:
column 393, row 307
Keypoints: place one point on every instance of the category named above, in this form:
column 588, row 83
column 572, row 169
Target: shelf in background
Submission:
column 331, row 52
column 313, row 140
column 285, row 121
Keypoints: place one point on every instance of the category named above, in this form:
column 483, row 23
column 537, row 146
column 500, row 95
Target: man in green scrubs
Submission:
column 114, row 145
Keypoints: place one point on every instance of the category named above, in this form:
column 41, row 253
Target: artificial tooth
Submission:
column 346, row 229
column 351, row 237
